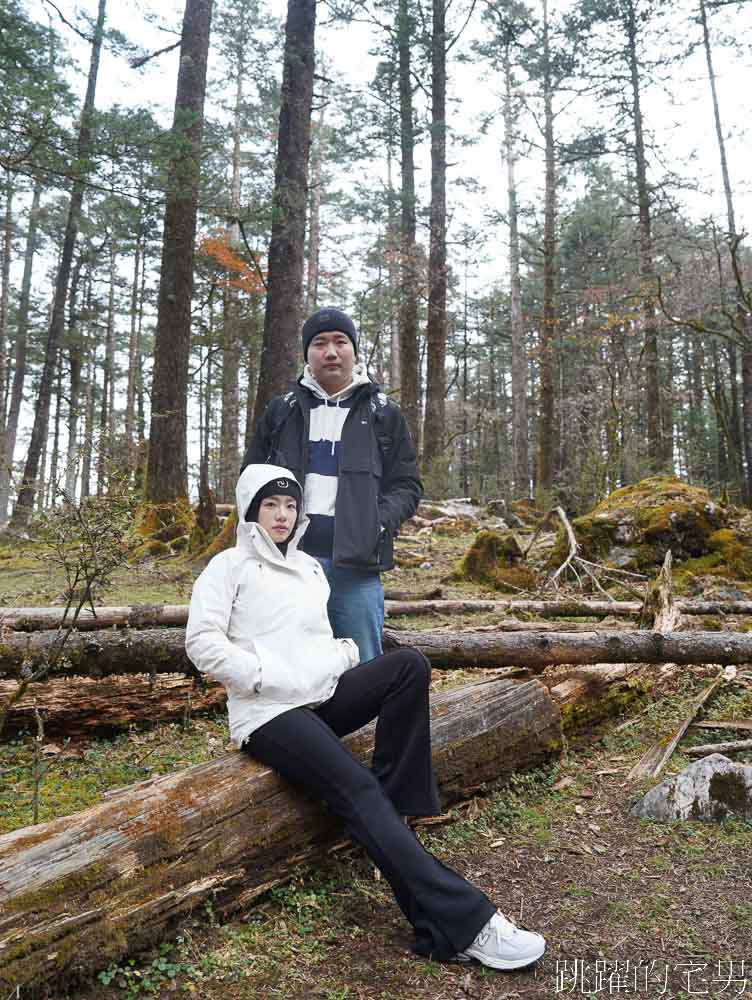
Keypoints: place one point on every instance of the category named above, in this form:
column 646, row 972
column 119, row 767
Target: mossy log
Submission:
column 162, row 651
column 80, row 892
column 587, row 695
column 78, row 706
column 176, row 615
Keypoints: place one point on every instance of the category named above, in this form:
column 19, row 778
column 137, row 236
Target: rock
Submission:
column 710, row 789
column 636, row 525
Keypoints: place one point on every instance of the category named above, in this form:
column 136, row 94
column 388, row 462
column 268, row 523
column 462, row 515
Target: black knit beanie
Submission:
column 277, row 487
column 327, row 319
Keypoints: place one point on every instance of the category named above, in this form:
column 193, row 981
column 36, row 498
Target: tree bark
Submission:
column 408, row 314
column 29, row 485
column 281, row 346
column 314, row 210
column 5, row 296
column 520, row 454
column 167, row 466
column 229, row 459
column 434, row 427
column 118, row 877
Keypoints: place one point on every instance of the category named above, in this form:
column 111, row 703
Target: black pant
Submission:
column 303, row 746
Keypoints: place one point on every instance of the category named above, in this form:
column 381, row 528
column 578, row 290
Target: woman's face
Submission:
column 277, row 514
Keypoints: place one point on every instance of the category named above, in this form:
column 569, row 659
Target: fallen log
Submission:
column 79, row 706
column 82, row 891
column 397, row 604
column 537, row 650
column 133, row 616
column 159, row 651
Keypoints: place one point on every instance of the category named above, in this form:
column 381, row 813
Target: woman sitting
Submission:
column 258, row 623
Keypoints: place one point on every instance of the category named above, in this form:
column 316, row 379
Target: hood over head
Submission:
column 256, row 477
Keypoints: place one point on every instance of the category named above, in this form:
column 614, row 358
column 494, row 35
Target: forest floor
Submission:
column 628, row 908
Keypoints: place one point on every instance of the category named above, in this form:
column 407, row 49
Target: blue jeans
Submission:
column 356, row 606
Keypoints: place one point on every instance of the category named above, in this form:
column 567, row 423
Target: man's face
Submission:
column 331, row 357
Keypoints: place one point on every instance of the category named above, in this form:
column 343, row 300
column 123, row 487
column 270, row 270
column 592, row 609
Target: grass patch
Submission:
column 77, row 776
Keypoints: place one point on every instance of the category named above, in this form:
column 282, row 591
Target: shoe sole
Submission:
column 509, row 965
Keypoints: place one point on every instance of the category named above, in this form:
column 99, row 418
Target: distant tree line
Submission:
column 153, row 280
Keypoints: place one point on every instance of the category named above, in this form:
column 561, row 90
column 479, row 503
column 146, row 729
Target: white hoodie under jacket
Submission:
column 258, row 624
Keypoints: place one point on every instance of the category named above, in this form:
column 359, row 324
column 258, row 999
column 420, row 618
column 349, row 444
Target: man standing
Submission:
column 350, row 447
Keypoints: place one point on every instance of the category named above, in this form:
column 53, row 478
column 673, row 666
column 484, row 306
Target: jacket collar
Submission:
column 360, row 377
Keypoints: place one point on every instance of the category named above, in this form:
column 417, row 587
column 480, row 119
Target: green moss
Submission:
column 648, row 518
column 56, row 893
column 166, row 521
column 224, row 540
column 495, row 559
column 595, row 539
column 514, row 578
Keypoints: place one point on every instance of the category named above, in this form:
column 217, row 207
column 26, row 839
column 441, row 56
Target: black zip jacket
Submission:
column 378, row 485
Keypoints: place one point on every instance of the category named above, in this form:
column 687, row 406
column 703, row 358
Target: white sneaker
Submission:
column 502, row 945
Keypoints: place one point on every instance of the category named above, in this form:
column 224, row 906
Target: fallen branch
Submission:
column 744, row 725
column 654, row 760
column 708, row 748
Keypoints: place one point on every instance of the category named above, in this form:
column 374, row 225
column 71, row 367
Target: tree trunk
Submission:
column 106, row 403
column 75, row 359
column 520, row 455
column 134, row 350
column 167, row 467
column 647, row 270
column 88, row 442
column 229, row 459
column 281, row 346
column 5, row 296
column 547, row 436
column 408, row 316
column 54, row 456
column 743, row 319
column 8, row 437
column 29, row 485
column 121, row 875
column 434, row 428
column 314, row 210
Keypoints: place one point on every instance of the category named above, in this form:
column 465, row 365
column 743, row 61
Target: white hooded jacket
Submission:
column 258, row 623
